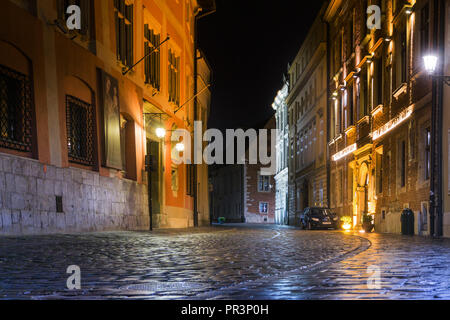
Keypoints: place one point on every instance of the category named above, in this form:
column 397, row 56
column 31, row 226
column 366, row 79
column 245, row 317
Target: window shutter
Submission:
column 85, row 7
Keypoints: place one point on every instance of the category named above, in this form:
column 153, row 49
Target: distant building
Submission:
column 259, row 189
column 282, row 145
column 446, row 126
column 241, row 192
column 307, row 103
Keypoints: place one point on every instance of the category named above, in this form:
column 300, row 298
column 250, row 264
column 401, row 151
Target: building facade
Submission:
column 259, row 187
column 380, row 112
column 85, row 116
column 307, row 104
column 446, row 122
column 282, row 145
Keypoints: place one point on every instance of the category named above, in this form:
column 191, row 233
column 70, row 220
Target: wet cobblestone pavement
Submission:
column 239, row 262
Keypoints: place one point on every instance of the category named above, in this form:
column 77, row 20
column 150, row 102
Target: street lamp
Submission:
column 430, row 62
column 160, row 132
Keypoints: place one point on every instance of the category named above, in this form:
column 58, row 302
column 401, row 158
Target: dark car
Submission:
column 319, row 218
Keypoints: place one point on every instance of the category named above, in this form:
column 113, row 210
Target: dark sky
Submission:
column 249, row 44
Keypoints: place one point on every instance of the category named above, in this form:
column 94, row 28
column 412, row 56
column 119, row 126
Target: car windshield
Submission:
column 321, row 212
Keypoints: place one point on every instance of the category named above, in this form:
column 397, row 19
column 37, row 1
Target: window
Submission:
column 174, row 78
column 362, row 94
column 424, row 28
column 350, row 104
column 332, row 187
column 263, row 183
column 379, row 168
column 263, row 207
column 15, row 110
column 377, row 83
column 80, row 131
column 400, row 56
column 124, row 32
column 427, row 153
column 402, row 160
column 152, row 61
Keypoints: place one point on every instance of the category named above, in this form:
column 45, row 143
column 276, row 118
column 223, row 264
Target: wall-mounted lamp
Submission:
column 430, row 63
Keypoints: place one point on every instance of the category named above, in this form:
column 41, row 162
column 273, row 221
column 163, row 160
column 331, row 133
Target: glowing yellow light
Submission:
column 391, row 125
column 346, row 226
column 180, row 147
column 160, row 132
column 344, row 152
column 362, row 231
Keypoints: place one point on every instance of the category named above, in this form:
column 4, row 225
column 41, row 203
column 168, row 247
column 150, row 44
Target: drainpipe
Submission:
column 195, row 190
column 436, row 130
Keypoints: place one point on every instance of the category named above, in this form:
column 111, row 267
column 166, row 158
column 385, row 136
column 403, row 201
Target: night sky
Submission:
column 249, row 44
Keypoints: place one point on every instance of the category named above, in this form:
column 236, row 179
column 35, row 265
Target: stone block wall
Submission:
column 90, row 202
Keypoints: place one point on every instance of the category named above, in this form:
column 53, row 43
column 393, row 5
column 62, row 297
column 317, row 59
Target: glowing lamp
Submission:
column 430, row 63
column 179, row 147
column 160, row 132
column 346, row 226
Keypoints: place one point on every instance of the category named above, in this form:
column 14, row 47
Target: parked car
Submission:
column 319, row 218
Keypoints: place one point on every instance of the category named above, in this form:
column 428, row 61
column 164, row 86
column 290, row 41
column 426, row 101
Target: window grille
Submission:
column 15, row 110
column 80, row 131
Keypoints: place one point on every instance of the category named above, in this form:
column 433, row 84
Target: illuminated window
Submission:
column 263, row 207
column 263, row 183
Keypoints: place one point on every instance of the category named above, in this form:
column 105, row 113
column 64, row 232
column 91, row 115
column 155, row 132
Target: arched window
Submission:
column 80, row 122
column 16, row 101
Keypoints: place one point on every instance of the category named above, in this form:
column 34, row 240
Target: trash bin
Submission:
column 410, row 222
column 407, row 221
column 404, row 222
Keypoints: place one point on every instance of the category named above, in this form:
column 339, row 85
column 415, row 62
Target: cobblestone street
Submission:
column 237, row 262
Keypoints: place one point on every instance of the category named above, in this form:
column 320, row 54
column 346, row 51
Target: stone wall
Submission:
column 28, row 191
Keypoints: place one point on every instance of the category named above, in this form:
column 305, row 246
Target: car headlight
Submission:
column 335, row 219
column 315, row 219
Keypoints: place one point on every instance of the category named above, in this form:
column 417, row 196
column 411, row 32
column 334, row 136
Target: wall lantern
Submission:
column 430, row 63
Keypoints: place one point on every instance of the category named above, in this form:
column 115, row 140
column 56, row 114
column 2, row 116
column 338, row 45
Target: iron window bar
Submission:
column 15, row 110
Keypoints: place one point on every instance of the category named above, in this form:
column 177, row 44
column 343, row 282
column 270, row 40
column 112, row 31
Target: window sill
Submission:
column 363, row 119
column 400, row 90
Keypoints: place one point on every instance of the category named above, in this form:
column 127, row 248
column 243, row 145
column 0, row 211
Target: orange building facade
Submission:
column 78, row 118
